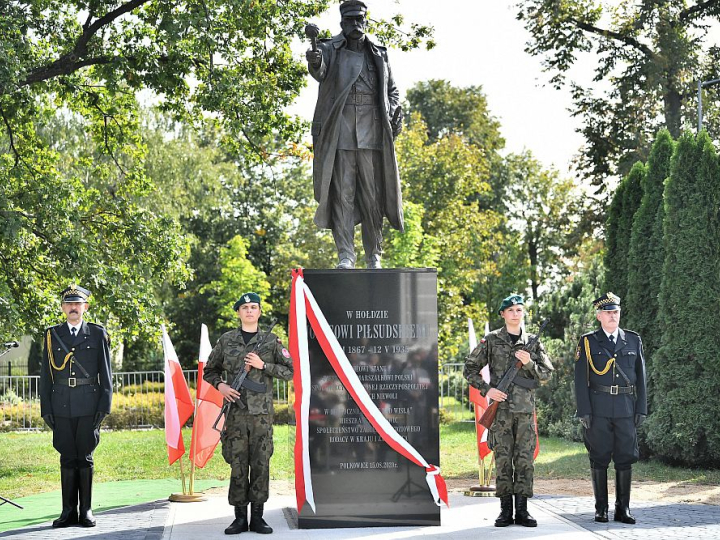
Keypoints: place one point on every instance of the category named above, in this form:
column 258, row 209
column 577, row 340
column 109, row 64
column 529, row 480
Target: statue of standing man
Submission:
column 357, row 118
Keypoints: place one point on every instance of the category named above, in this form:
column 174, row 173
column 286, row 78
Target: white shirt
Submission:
column 77, row 328
column 614, row 335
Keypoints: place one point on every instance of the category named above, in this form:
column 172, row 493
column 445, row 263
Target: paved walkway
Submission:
column 468, row 518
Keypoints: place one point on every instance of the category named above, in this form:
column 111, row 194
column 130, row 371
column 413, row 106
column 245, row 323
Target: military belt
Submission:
column 72, row 382
column 613, row 390
column 360, row 99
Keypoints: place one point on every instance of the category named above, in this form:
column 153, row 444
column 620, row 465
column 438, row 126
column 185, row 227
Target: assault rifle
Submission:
column 242, row 380
column 488, row 417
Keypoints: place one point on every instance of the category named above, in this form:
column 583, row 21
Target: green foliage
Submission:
column 683, row 428
column 76, row 198
column 651, row 54
column 444, row 178
column 625, row 203
column 647, row 254
column 571, row 315
column 237, row 276
column 543, row 209
column 447, row 109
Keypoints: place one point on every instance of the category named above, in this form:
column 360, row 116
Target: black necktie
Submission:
column 73, row 331
column 612, row 339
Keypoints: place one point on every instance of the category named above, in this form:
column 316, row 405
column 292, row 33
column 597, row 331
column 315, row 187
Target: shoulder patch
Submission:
column 285, row 352
column 483, row 340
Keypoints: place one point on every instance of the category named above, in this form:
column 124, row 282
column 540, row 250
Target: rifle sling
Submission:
column 524, row 382
column 67, row 351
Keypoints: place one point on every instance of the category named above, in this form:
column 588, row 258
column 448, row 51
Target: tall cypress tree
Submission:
column 682, row 427
column 625, row 203
column 647, row 255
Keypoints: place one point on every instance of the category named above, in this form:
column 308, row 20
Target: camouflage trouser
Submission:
column 512, row 437
column 247, row 445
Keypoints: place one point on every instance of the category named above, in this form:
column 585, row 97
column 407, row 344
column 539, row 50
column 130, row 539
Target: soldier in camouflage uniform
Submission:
column 247, row 439
column 512, row 436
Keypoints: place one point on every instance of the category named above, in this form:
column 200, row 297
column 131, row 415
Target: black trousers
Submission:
column 612, row 439
column 76, row 440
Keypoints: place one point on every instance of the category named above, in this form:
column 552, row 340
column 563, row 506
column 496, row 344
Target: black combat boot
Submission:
column 506, row 512
column 522, row 516
column 68, row 483
column 257, row 523
column 599, row 483
column 240, row 523
column 85, row 487
column 622, row 497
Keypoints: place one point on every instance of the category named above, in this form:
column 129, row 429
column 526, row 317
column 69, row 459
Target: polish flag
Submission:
column 477, row 399
column 178, row 402
column 209, row 402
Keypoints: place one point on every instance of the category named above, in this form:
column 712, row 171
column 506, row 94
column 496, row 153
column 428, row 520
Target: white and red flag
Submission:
column 178, row 401
column 477, row 399
column 208, row 402
column 303, row 307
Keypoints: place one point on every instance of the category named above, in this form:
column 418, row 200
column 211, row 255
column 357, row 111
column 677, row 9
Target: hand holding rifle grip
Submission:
column 488, row 417
column 240, row 378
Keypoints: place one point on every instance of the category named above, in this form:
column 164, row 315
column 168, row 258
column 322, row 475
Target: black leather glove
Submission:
column 639, row 419
column 586, row 421
column 99, row 417
column 49, row 420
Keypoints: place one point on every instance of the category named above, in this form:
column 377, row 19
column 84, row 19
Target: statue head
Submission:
column 353, row 20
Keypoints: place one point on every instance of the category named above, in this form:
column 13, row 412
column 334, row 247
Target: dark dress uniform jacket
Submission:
column 628, row 354
column 92, row 351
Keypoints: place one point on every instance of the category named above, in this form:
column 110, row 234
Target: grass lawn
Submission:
column 29, row 465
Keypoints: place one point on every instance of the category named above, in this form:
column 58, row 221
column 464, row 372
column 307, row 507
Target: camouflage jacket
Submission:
column 497, row 351
column 228, row 357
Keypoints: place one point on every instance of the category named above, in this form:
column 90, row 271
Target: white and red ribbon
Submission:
column 302, row 306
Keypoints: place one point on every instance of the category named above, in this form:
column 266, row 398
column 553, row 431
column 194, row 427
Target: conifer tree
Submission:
column 683, row 427
column 619, row 225
column 647, row 255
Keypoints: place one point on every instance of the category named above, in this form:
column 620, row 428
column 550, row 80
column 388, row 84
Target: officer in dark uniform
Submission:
column 75, row 396
column 611, row 404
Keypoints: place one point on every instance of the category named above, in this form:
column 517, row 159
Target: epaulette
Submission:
column 631, row 332
column 102, row 329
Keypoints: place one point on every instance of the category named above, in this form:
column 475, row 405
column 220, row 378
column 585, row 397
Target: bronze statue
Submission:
column 357, row 118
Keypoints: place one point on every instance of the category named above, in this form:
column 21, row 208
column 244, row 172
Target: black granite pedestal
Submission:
column 386, row 322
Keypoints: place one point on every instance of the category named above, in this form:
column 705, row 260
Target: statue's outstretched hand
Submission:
column 314, row 58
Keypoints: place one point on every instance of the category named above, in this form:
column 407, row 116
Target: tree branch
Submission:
column 609, row 34
column 71, row 62
column 689, row 13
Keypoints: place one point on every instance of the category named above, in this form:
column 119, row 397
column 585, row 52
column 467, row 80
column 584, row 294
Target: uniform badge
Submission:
column 285, row 353
column 246, row 298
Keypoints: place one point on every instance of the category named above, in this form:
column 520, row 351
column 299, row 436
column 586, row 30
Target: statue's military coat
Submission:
column 336, row 79
column 92, row 351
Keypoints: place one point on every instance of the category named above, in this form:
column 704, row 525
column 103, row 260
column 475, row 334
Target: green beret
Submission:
column 247, row 298
column 511, row 300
